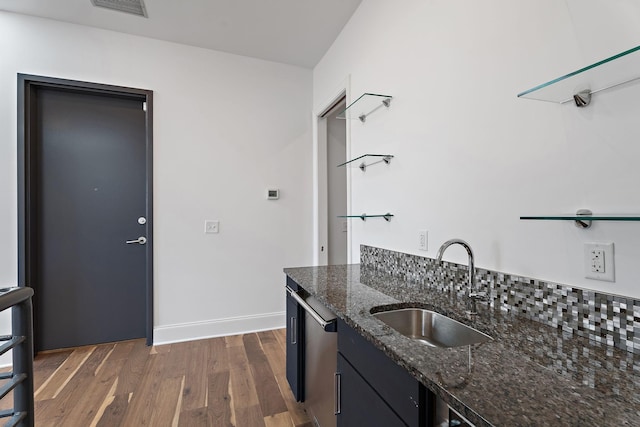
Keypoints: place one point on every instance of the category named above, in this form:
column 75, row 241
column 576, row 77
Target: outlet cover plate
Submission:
column 599, row 256
column 423, row 240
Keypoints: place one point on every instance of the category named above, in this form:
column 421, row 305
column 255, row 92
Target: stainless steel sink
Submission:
column 431, row 328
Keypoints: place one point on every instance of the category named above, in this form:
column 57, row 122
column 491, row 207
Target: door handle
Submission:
column 328, row 326
column 140, row 240
column 294, row 331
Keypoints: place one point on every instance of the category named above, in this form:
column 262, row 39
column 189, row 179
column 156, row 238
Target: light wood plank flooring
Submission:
column 228, row 381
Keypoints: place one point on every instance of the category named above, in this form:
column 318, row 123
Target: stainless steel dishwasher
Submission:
column 320, row 359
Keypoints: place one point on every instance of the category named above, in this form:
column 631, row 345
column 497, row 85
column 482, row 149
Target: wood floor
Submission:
column 228, row 381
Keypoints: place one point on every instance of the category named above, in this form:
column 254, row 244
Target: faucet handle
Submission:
column 473, row 298
column 482, row 296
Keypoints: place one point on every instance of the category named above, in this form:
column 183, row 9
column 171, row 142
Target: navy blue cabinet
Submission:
column 358, row 403
column 295, row 344
column 389, row 388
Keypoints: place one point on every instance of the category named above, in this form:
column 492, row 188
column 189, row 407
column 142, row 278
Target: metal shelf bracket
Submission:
column 586, row 223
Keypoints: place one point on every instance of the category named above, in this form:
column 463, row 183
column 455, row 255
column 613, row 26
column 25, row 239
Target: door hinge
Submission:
column 144, row 106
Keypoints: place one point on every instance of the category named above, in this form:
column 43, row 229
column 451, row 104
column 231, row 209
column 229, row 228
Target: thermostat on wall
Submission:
column 273, row 194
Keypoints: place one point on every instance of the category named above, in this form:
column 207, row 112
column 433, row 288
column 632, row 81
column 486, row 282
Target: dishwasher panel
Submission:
column 321, row 351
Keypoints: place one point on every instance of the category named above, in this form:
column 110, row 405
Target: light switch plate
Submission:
column 211, row 226
column 599, row 261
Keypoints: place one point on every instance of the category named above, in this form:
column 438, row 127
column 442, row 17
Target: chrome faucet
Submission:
column 472, row 295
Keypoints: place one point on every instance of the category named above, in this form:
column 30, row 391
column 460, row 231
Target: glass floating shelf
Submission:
column 364, row 216
column 574, row 217
column 584, row 217
column 368, row 160
column 365, row 105
column 579, row 85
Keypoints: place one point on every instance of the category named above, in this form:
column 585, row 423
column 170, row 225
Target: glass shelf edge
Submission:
column 381, row 158
column 612, row 217
column 581, row 71
column 386, row 216
column 364, row 216
column 345, row 114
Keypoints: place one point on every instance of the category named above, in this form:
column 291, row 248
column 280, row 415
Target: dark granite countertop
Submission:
column 529, row 375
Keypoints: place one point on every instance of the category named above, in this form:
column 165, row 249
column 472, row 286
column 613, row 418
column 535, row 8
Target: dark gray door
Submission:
column 90, row 193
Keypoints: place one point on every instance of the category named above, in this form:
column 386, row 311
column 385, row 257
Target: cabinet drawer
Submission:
column 395, row 385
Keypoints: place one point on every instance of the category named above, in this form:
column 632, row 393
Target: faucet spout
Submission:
column 471, row 280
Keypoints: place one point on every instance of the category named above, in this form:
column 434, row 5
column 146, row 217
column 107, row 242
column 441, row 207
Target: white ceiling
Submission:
column 296, row 32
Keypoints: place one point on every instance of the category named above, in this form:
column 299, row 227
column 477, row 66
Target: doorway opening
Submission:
column 331, row 183
column 85, row 235
column 337, row 227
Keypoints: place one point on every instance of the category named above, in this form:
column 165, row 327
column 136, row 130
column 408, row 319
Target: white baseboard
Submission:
column 217, row 328
column 200, row 330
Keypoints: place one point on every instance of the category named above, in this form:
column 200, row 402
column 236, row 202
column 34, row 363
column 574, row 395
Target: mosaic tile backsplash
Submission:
column 604, row 318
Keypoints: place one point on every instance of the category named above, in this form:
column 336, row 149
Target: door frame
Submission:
column 320, row 185
column 27, row 190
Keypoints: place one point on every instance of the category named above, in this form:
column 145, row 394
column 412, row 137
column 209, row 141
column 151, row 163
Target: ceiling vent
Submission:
column 135, row 7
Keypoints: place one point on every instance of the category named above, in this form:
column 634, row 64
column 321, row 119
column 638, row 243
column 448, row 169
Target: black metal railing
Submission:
column 20, row 380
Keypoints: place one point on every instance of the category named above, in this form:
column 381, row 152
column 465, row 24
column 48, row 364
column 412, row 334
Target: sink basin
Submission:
column 431, row 328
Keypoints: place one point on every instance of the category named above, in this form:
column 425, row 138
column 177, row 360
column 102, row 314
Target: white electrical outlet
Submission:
column 598, row 261
column 211, row 226
column 423, row 241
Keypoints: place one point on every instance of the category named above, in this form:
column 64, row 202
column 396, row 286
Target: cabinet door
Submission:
column 394, row 384
column 358, row 403
column 295, row 348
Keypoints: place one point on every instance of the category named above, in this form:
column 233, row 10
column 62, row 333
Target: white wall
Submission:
column 471, row 157
column 226, row 128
